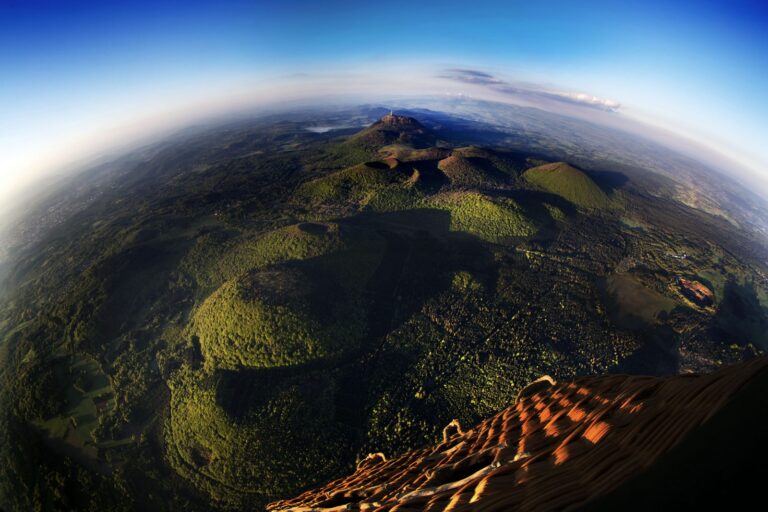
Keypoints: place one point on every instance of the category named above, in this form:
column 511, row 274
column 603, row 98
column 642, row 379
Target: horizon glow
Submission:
column 80, row 78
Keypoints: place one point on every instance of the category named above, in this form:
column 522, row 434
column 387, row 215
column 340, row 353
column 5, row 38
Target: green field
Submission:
column 634, row 304
column 88, row 396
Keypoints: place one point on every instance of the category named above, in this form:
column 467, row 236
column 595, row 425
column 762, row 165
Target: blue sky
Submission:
column 69, row 70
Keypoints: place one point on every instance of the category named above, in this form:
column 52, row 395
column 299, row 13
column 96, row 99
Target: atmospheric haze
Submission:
column 84, row 79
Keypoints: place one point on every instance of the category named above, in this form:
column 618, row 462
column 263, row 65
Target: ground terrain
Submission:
column 246, row 311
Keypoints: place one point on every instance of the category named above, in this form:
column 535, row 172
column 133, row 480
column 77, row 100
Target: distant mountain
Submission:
column 395, row 129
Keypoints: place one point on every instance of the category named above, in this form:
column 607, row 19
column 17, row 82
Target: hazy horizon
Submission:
column 85, row 79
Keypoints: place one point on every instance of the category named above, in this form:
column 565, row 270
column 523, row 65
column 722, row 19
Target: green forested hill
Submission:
column 232, row 316
column 569, row 183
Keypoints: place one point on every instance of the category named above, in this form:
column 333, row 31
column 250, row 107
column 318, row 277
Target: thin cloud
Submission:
column 472, row 76
column 476, row 77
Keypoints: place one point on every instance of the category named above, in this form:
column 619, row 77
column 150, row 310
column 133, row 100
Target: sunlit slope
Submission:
column 264, row 319
column 569, row 183
column 239, row 443
column 494, row 220
column 305, row 307
column 465, row 171
column 354, row 186
column 216, row 259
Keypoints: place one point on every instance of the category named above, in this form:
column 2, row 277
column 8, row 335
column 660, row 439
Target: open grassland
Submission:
column 569, row 183
column 632, row 303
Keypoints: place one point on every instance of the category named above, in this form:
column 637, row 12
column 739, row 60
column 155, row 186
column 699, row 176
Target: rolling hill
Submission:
column 569, row 183
column 236, row 317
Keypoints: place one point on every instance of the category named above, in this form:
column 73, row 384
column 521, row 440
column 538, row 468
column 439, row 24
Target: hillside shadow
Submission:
column 490, row 170
column 136, row 278
column 418, row 260
column 533, row 201
column 608, row 181
column 431, row 179
column 657, row 355
column 740, row 318
column 243, row 392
